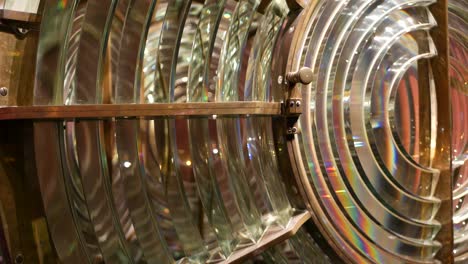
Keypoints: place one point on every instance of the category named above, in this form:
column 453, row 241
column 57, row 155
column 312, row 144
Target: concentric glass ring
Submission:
column 364, row 160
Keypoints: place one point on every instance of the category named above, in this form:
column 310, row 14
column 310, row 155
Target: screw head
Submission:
column 3, row 91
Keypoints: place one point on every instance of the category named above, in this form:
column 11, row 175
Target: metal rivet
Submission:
column 294, row 130
column 3, row 91
column 304, row 76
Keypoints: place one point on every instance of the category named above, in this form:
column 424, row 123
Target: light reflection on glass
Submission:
column 161, row 190
column 458, row 88
column 379, row 198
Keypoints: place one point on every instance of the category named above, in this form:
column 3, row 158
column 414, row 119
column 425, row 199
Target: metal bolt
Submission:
column 280, row 79
column 23, row 30
column 304, row 76
column 3, row 91
column 19, row 258
column 294, row 130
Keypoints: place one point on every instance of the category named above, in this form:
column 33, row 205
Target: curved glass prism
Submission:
column 210, row 189
column 457, row 29
column 376, row 191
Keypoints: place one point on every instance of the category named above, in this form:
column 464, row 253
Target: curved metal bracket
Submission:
column 297, row 4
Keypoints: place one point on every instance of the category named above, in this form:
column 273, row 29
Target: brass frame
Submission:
column 139, row 110
column 294, row 43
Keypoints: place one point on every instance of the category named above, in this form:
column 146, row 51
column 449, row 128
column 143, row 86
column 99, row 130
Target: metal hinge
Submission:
column 292, row 108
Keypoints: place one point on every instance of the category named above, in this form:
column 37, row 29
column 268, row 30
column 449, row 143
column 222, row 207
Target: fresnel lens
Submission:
column 230, row 131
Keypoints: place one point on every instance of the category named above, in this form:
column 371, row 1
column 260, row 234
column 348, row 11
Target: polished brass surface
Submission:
column 140, row 110
column 17, row 68
column 442, row 159
column 304, row 76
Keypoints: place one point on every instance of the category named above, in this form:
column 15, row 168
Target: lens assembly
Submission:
column 245, row 130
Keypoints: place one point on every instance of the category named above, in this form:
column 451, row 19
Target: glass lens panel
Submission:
column 206, row 189
column 458, row 87
column 368, row 134
column 170, row 189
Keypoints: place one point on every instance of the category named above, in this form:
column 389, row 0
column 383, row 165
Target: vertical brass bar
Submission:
column 442, row 158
